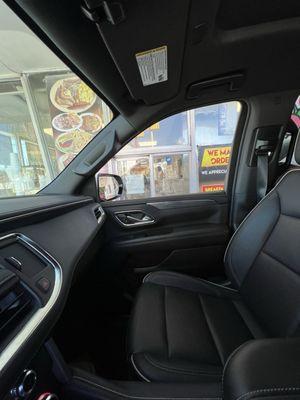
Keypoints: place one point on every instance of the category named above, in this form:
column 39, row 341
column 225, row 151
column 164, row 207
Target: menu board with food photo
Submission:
column 76, row 113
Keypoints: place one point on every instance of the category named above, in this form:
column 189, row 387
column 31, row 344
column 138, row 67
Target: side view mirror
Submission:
column 109, row 186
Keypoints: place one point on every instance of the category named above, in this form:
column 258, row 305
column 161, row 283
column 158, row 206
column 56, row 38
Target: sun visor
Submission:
column 146, row 41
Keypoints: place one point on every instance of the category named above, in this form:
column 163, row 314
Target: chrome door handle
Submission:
column 134, row 218
column 145, row 218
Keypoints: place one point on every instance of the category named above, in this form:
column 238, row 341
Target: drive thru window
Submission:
column 186, row 153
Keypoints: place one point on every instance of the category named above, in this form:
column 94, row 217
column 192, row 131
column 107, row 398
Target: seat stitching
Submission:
column 262, row 246
column 294, row 325
column 137, row 370
column 279, row 262
column 228, row 361
column 231, row 241
column 276, row 259
column 178, row 370
column 267, row 390
column 290, row 216
column 210, row 330
column 119, row 393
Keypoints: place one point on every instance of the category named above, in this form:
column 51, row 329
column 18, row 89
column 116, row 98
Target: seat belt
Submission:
column 262, row 172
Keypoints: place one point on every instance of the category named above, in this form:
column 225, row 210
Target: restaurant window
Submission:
column 183, row 154
column 171, row 174
column 47, row 114
column 135, row 173
column 21, row 165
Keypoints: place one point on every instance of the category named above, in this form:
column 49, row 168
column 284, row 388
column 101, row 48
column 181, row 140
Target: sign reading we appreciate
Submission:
column 218, row 156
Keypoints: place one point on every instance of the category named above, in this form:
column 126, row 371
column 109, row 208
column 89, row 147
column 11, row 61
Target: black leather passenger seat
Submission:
column 184, row 329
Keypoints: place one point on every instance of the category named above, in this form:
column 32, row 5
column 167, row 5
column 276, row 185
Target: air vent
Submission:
column 15, row 309
column 99, row 214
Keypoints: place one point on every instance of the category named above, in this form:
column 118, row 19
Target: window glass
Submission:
column 186, row 153
column 47, row 113
column 21, row 164
column 171, row 131
column 214, row 133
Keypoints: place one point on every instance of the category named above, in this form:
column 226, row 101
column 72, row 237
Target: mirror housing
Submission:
column 109, row 186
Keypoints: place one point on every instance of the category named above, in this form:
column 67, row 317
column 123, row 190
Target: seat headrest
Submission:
column 297, row 149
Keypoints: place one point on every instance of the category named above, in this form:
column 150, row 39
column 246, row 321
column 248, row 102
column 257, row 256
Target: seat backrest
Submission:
column 263, row 258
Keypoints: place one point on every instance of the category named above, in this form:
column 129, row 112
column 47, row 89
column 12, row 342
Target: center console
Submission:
column 42, row 379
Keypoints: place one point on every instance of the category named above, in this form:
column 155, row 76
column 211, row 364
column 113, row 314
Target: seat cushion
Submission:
column 183, row 329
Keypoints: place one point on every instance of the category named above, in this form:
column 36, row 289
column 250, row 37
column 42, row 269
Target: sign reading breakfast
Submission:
column 213, row 165
column 76, row 115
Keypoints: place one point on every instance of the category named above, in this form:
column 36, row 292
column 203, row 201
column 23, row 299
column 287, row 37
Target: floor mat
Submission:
column 93, row 328
column 109, row 357
column 101, row 344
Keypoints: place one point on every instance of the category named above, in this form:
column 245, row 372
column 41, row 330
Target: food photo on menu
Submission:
column 76, row 115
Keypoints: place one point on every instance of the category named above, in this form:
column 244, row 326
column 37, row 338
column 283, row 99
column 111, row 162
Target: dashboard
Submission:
column 43, row 240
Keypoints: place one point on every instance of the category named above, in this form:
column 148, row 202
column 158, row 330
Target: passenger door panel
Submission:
column 173, row 212
column 188, row 234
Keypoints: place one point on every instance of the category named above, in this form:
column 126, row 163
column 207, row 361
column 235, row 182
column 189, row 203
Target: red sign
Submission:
column 212, row 188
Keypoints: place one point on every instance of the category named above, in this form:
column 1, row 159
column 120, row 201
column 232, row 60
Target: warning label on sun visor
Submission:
column 153, row 65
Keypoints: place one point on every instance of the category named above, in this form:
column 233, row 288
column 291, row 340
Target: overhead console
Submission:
column 30, row 282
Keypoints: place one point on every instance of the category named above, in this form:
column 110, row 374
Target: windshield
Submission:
column 47, row 114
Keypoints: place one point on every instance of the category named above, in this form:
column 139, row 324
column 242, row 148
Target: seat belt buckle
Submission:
column 264, row 151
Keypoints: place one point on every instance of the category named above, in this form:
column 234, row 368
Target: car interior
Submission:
column 149, row 199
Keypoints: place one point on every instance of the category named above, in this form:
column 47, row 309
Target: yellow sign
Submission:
column 148, row 144
column 153, row 127
column 216, row 157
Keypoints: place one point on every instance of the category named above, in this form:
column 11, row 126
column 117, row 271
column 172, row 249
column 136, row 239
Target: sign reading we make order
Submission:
column 218, row 156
